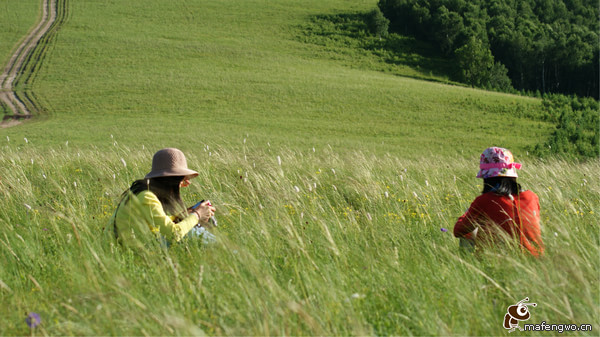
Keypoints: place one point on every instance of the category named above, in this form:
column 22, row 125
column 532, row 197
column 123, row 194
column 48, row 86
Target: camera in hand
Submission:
column 212, row 219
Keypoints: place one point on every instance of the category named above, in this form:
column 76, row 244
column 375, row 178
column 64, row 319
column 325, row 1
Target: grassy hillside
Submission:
column 217, row 71
column 17, row 18
column 332, row 181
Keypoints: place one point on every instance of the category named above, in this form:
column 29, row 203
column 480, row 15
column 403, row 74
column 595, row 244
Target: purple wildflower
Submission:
column 33, row 320
column 443, row 229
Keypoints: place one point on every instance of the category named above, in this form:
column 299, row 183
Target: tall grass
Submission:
column 311, row 242
column 313, row 239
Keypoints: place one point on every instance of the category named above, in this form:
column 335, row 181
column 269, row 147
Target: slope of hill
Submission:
column 219, row 71
column 17, row 18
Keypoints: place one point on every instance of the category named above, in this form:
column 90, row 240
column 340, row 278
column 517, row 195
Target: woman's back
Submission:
column 140, row 214
column 518, row 216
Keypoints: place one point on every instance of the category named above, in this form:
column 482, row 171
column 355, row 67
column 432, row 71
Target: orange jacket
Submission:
column 518, row 216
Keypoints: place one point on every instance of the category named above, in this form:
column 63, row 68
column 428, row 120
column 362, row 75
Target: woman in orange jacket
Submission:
column 503, row 210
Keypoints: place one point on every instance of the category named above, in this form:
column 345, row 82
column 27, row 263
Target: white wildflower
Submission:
column 297, row 189
column 358, row 296
column 426, row 183
column 314, row 150
column 75, row 183
column 387, row 195
column 43, row 175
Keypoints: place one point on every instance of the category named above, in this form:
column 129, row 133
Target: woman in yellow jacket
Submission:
column 154, row 205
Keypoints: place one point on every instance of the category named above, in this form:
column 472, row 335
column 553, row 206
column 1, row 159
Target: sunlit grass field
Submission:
column 310, row 243
column 333, row 182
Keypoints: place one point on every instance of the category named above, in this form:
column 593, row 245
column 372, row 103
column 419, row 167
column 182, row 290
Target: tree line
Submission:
column 545, row 46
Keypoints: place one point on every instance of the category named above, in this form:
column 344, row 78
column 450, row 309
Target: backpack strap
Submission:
column 124, row 200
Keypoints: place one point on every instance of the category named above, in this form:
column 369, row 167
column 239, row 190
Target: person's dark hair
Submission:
column 501, row 185
column 165, row 188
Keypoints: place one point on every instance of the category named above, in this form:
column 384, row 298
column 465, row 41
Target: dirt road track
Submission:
column 21, row 105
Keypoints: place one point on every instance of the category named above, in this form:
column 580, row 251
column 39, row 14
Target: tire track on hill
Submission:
column 23, row 65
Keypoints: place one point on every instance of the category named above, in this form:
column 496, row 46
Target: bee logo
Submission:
column 516, row 313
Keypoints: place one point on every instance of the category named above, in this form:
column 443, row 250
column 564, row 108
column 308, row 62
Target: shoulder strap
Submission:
column 124, row 200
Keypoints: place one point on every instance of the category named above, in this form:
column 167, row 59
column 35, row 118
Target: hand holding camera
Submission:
column 205, row 212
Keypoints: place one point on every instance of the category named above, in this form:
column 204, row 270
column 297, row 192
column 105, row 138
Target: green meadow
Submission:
column 333, row 173
column 18, row 17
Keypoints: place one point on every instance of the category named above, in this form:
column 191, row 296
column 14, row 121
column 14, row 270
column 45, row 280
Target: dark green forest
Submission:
column 538, row 46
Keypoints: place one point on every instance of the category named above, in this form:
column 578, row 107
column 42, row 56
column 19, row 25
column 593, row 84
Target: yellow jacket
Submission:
column 139, row 215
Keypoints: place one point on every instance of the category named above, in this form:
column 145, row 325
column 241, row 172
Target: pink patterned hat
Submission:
column 497, row 162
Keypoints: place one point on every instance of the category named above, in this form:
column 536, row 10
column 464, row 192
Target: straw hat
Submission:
column 170, row 162
column 497, row 162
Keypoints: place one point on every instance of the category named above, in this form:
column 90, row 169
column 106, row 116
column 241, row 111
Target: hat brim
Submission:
column 497, row 172
column 172, row 173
